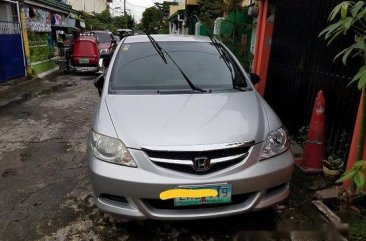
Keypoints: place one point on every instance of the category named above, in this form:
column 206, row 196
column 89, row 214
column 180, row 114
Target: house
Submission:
column 183, row 17
column 39, row 38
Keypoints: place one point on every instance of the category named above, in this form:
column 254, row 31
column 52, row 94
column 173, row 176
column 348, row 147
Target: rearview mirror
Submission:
column 98, row 83
column 255, row 78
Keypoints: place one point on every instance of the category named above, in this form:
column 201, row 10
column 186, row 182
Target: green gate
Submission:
column 236, row 34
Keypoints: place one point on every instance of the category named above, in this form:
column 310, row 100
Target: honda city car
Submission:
column 181, row 133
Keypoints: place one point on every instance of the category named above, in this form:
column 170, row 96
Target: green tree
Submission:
column 349, row 18
column 210, row 10
column 104, row 21
column 120, row 22
column 104, row 17
column 151, row 20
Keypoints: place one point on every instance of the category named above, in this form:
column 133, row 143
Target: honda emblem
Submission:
column 201, row 164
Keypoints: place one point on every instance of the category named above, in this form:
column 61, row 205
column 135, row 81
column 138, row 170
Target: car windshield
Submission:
column 139, row 67
column 103, row 37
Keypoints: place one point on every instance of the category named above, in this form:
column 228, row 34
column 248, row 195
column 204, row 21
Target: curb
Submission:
column 48, row 72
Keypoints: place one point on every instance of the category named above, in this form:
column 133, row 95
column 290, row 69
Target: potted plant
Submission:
column 332, row 166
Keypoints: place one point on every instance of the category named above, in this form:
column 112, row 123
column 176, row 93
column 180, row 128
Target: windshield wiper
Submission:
column 161, row 51
column 157, row 47
column 223, row 55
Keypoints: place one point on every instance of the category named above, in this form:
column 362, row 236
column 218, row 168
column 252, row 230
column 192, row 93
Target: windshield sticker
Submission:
column 126, row 47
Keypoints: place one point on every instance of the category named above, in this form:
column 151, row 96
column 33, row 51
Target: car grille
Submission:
column 169, row 204
column 183, row 160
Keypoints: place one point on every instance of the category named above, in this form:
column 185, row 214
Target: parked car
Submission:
column 117, row 39
column 106, row 43
column 85, row 55
column 180, row 133
column 122, row 33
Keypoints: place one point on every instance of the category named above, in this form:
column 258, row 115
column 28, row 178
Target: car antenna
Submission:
column 161, row 51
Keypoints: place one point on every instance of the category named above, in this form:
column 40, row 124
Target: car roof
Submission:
column 167, row 38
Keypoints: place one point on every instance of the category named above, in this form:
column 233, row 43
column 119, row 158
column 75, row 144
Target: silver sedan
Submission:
column 180, row 133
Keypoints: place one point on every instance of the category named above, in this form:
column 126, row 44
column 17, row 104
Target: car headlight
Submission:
column 276, row 143
column 110, row 149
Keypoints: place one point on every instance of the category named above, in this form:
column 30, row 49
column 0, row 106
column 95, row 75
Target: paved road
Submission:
column 44, row 189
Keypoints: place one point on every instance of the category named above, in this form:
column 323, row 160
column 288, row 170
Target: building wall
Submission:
column 89, row 6
column 193, row 2
column 246, row 2
column 5, row 12
column 175, row 8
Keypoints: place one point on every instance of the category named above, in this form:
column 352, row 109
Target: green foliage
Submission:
column 39, row 53
column 42, row 67
column 357, row 227
column 235, row 33
column 38, row 47
column 233, row 5
column 104, row 21
column 210, row 10
column 349, row 17
column 120, row 22
column 341, row 149
column 356, row 174
column 333, row 163
column 152, row 20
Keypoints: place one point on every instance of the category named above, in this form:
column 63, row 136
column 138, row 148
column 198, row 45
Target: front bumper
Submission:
column 266, row 183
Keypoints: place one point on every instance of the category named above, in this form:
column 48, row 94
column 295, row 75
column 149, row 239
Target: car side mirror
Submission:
column 255, row 78
column 106, row 61
column 98, row 83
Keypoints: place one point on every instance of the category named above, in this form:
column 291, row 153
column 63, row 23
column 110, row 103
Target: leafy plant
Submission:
column 333, row 163
column 211, row 10
column 349, row 17
column 356, row 174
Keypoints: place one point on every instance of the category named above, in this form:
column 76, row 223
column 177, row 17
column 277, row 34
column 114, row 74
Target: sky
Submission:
column 137, row 7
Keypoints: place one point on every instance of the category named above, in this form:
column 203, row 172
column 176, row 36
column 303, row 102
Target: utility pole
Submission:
column 124, row 7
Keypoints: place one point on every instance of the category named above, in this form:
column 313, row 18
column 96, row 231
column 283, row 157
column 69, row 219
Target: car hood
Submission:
column 187, row 119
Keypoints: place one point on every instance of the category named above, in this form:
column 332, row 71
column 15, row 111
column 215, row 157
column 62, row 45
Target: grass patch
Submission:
column 357, row 228
column 43, row 67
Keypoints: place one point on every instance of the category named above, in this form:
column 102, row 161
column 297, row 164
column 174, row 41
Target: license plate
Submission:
column 83, row 61
column 223, row 190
